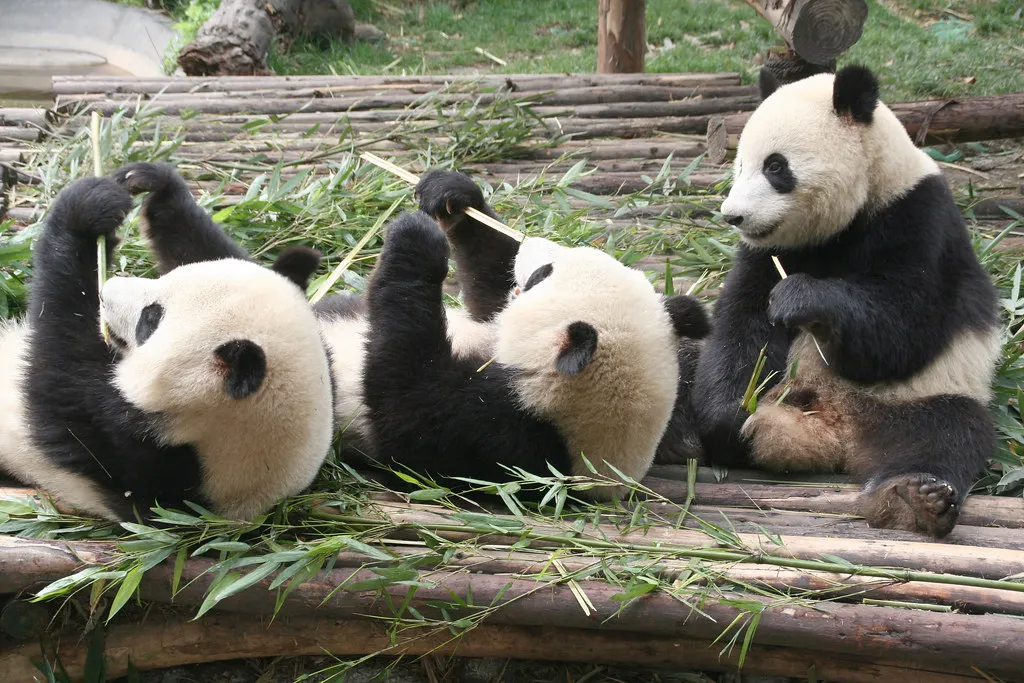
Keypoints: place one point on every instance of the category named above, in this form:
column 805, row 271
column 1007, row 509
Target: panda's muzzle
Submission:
column 759, row 234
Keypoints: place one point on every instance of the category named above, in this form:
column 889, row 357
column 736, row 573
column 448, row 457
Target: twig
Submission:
column 413, row 179
column 101, row 241
column 782, row 274
column 497, row 60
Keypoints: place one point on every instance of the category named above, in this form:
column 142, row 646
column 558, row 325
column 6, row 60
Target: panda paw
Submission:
column 917, row 502
column 414, row 248
column 446, row 195
column 147, row 177
column 90, row 208
column 796, row 301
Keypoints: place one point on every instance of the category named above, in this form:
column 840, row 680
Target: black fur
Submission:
column 245, row 366
column 780, row 70
column 484, row 261
column 767, row 83
column 579, row 349
column 484, row 257
column 149, row 320
column 340, row 305
column 883, row 298
column 297, row 264
column 780, row 176
column 179, row 231
column 411, row 377
column 855, row 93
column 538, row 276
column 78, row 419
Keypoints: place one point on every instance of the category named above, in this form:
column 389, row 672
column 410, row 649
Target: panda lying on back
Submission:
column 882, row 274
column 215, row 388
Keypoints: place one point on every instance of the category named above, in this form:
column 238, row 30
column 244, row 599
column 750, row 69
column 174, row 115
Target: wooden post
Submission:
column 817, row 30
column 620, row 36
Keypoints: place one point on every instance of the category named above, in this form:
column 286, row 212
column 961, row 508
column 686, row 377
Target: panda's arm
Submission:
column 178, row 230
column 871, row 327
column 484, row 257
column 740, row 329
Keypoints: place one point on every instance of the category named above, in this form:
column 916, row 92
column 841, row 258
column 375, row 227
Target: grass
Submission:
column 920, row 48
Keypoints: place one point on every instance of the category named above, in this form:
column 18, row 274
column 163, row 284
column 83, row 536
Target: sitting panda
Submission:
column 215, row 386
column 582, row 362
column 886, row 313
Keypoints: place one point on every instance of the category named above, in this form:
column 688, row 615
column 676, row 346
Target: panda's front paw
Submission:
column 148, row 177
column 446, row 195
column 91, row 207
column 414, row 248
column 796, row 301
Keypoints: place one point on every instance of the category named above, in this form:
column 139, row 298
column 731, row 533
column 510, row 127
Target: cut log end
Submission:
column 823, row 29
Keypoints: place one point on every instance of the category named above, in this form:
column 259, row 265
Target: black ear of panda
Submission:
column 689, row 319
column 767, row 83
column 578, row 350
column 244, row 366
column 855, row 93
column 297, row 264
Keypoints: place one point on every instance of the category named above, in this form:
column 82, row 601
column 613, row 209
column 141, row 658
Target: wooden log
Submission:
column 25, row 116
column 70, row 85
column 817, row 30
column 929, row 122
column 163, row 641
column 12, row 155
column 235, row 40
column 386, row 108
column 621, row 41
column 20, row 134
column 1001, row 511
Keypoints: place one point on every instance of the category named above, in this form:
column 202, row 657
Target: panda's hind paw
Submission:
column 445, row 195
column 414, row 248
column 917, row 502
column 91, row 207
column 147, row 177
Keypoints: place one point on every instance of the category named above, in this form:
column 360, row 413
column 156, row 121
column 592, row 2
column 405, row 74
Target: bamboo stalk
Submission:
column 101, row 241
column 413, row 179
column 165, row 641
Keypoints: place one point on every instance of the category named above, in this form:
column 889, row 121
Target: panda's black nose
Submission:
column 733, row 220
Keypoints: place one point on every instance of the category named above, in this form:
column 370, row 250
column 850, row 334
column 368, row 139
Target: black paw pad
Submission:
column 933, row 501
column 446, row 194
column 147, row 177
column 91, row 206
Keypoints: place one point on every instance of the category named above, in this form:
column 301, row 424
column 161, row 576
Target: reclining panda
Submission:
column 886, row 312
column 215, row 386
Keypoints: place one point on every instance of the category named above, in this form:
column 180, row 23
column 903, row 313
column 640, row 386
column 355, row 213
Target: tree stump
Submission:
column 817, row 30
column 620, row 36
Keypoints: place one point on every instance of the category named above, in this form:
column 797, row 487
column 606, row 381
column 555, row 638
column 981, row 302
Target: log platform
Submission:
column 831, row 598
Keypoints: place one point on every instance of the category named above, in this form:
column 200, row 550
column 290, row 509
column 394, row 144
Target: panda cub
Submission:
column 215, row 386
column 581, row 362
column 886, row 313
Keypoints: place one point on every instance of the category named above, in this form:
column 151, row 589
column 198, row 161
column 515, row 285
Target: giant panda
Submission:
column 582, row 366
column 886, row 313
column 215, row 386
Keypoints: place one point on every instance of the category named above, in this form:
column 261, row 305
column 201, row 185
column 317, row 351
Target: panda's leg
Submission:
column 178, row 230
column 919, row 460
column 484, row 258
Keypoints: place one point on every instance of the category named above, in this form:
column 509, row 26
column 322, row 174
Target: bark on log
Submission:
column 77, row 85
column 621, row 41
column 235, row 40
column 817, row 30
column 928, row 122
column 165, row 641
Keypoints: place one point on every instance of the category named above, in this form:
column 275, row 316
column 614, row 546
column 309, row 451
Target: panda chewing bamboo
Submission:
column 882, row 279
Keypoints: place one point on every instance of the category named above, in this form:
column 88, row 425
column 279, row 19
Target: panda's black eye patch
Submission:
column 776, row 169
column 149, row 320
column 538, row 276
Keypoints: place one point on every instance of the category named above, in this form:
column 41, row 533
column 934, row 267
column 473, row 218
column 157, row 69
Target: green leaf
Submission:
column 179, row 565
column 428, row 494
column 233, row 583
column 95, row 670
column 367, row 550
column 125, row 591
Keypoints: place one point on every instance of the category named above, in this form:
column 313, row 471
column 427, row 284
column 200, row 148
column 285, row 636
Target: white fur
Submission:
column 255, row 450
column 18, row 456
column 616, row 410
column 840, row 166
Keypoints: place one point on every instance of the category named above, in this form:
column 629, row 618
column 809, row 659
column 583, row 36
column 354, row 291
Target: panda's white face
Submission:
column 801, row 170
column 213, row 335
column 594, row 350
